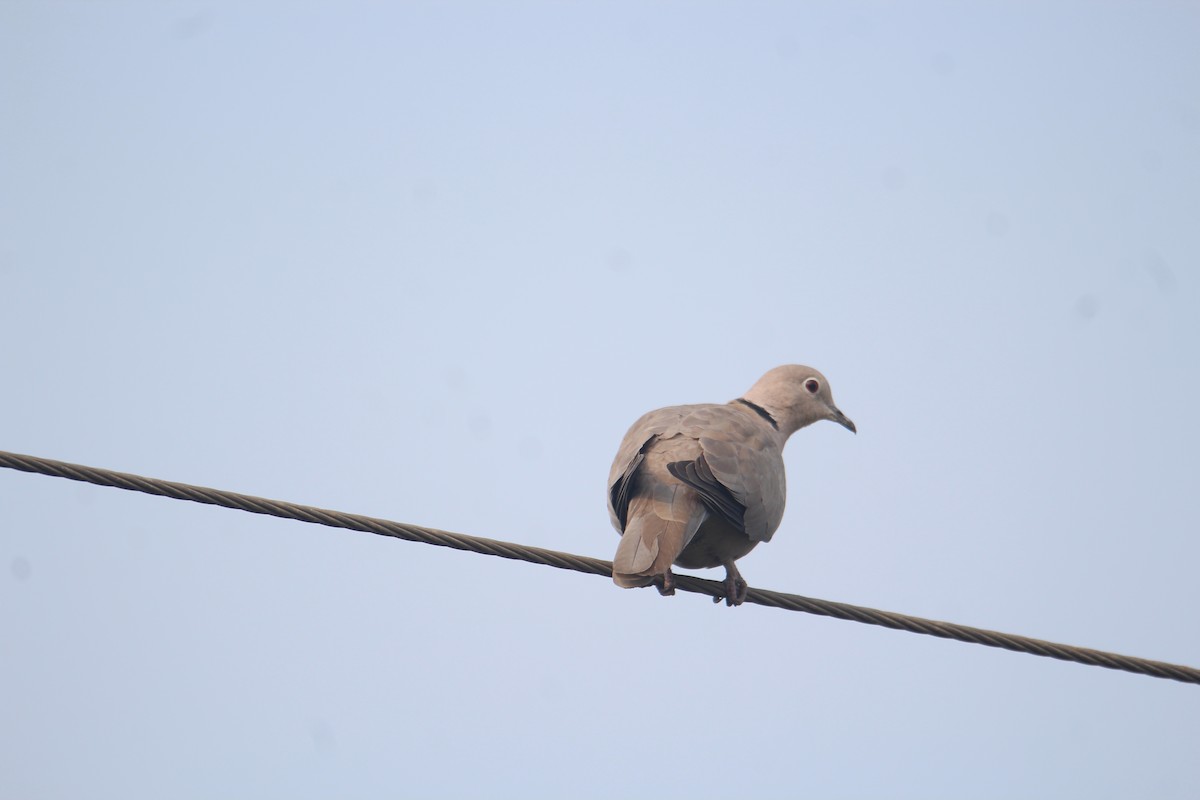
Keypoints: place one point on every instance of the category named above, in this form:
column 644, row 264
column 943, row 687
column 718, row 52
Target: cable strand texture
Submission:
column 591, row 566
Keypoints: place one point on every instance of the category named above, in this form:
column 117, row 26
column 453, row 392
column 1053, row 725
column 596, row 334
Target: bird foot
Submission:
column 735, row 587
column 665, row 584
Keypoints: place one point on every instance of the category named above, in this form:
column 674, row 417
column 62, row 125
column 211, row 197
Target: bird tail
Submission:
column 655, row 534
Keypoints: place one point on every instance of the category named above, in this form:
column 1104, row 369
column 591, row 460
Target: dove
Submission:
column 701, row 485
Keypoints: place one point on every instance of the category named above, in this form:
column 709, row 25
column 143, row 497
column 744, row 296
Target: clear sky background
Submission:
column 429, row 261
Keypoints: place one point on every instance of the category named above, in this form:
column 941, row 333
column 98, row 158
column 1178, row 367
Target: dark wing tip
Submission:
column 714, row 494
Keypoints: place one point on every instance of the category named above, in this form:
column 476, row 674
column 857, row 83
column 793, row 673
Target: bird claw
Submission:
column 665, row 584
column 736, row 588
column 735, row 592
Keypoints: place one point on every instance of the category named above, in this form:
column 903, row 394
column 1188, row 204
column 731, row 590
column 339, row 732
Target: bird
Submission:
column 699, row 486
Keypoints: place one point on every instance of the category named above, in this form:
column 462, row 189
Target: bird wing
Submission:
column 741, row 465
column 632, row 453
column 738, row 473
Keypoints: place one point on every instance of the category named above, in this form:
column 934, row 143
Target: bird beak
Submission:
column 843, row 420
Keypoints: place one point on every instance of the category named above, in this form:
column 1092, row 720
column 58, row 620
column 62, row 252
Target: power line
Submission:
column 593, row 566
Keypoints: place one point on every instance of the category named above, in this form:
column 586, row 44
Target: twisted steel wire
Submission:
column 592, row 566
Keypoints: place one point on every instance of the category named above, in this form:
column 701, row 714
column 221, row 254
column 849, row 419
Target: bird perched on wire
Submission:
column 701, row 485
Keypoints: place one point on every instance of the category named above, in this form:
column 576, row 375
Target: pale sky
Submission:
column 429, row 261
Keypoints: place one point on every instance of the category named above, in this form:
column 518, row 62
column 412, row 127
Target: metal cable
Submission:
column 593, row 566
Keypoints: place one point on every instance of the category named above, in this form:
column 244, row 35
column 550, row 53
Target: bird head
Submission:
column 796, row 396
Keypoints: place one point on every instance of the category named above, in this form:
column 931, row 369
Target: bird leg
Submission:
column 665, row 584
column 735, row 586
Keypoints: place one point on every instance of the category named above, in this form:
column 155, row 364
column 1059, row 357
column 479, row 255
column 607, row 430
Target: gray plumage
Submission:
column 702, row 485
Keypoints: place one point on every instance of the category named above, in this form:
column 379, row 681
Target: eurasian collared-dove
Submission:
column 701, row 485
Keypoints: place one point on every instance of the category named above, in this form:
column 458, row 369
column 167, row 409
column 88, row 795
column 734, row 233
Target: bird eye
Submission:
column 812, row 385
